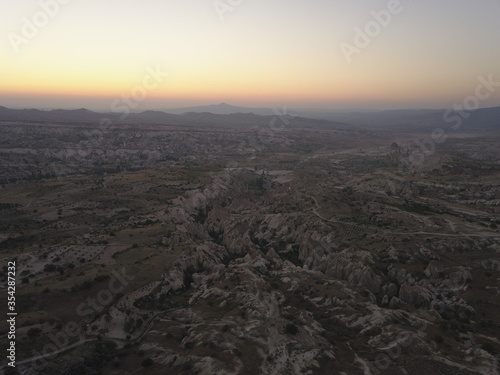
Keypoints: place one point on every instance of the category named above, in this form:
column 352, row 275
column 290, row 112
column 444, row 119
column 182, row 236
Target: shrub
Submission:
column 489, row 348
column 49, row 268
column 34, row 332
column 291, row 329
column 148, row 362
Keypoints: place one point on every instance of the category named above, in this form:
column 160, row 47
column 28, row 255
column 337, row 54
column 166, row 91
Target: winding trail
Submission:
column 367, row 229
column 81, row 342
column 51, row 354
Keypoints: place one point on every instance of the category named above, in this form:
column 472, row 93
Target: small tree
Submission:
column 291, row 329
column 34, row 332
column 148, row 362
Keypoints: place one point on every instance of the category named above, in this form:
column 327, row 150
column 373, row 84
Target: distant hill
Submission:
column 152, row 117
column 84, row 116
column 56, row 115
column 487, row 119
column 221, row 109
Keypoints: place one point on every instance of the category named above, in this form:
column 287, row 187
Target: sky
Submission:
column 332, row 54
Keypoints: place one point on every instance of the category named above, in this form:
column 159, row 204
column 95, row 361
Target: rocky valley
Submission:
column 245, row 244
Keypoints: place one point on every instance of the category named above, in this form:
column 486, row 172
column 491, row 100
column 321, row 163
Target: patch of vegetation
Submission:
column 148, row 362
column 291, row 329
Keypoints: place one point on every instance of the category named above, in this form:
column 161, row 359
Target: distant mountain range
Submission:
column 222, row 109
column 484, row 119
column 487, row 119
column 84, row 116
column 56, row 115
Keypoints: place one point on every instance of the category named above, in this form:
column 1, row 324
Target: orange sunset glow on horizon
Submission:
column 375, row 55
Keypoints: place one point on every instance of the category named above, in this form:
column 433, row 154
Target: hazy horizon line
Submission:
column 166, row 109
